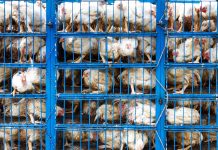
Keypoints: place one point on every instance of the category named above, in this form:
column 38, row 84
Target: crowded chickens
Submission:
column 97, row 63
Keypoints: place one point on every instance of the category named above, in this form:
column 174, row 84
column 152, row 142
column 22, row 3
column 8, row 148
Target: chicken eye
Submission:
column 19, row 72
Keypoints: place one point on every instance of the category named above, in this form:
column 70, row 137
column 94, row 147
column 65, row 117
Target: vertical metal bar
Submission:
column 50, row 75
column 160, row 139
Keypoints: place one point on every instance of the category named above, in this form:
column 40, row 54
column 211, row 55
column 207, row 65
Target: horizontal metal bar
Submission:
column 192, row 100
column 103, row 66
column 193, row 34
column 193, row 96
column 191, row 128
column 61, row 96
column 42, row 96
column 21, row 125
column 22, row 65
column 110, row 1
column 188, row 1
column 103, row 34
column 192, row 65
column 103, row 126
column 22, row 34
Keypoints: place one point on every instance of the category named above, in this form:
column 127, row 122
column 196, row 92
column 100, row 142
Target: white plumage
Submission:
column 182, row 115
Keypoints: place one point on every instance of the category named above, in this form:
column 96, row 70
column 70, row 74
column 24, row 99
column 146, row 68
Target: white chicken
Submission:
column 89, row 108
column 21, row 83
column 142, row 78
column 183, row 11
column 186, row 139
column 108, row 112
column 135, row 140
column 81, row 46
column 111, row 138
column 66, row 12
column 34, row 19
column 77, row 135
column 30, row 46
column 109, row 48
column 89, row 12
column 147, row 46
column 29, row 80
column 183, row 78
column 32, row 107
column 6, row 11
column 98, row 81
column 139, row 13
column 9, row 134
column 182, row 115
column 209, row 10
column 128, row 47
column 142, row 113
column 114, row 15
column 211, row 55
column 187, row 51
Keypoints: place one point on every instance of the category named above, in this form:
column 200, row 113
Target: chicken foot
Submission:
column 86, row 91
column 14, row 92
column 6, row 145
column 2, row 90
column 67, row 144
column 104, row 60
column 122, row 145
column 177, row 88
column 212, row 139
column 197, row 60
column 109, row 27
column 132, row 87
column 78, row 60
column 97, row 92
column 149, row 58
column 30, row 145
column 182, row 90
column 32, row 120
column 29, row 29
column 83, row 28
column 104, row 147
column 181, row 24
column 125, row 25
column 185, row 148
column 100, row 26
column 75, row 108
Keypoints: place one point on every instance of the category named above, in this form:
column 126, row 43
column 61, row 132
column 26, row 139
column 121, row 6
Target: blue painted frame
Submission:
column 160, row 96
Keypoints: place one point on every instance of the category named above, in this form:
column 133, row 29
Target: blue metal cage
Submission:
column 115, row 74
